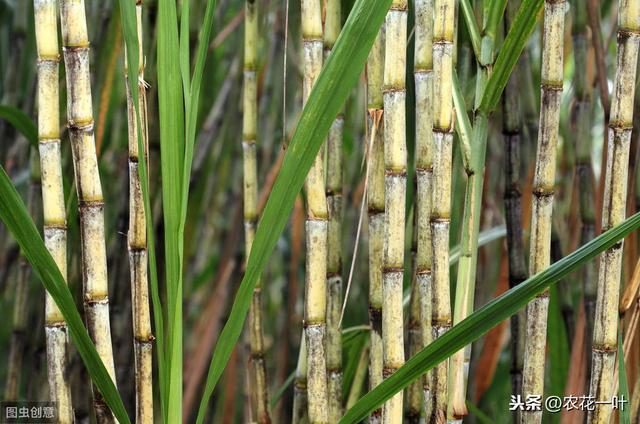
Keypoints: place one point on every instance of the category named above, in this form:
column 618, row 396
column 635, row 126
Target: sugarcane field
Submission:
column 319, row 211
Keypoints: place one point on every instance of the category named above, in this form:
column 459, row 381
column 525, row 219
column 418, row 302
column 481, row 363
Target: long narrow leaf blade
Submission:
column 484, row 319
column 510, row 51
column 623, row 385
column 15, row 216
column 339, row 75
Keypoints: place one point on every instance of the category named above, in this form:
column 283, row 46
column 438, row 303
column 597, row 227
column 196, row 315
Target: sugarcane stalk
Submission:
column 332, row 25
column 316, row 231
column 375, row 209
column 512, row 137
column 137, row 238
column 395, row 176
column 419, row 394
column 91, row 204
column 543, row 193
column 258, row 377
column 55, row 221
column 443, row 38
column 605, row 333
column 20, row 305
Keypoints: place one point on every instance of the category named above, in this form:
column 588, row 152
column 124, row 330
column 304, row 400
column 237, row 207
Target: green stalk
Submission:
column 420, row 310
column 512, row 136
column 258, row 372
column 474, row 169
column 137, row 238
column 613, row 209
column 375, row 208
column 55, row 222
column 543, row 193
column 334, row 242
column 395, row 164
column 316, row 232
column 300, row 400
column 91, row 204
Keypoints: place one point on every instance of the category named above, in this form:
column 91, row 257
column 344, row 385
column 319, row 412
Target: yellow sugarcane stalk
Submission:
column 443, row 54
column 420, row 320
column 395, row 179
column 55, row 222
column 332, row 27
column 91, row 203
column 605, row 332
column 316, row 232
column 375, row 207
column 543, row 191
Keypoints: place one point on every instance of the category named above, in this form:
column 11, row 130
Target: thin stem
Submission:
column 613, row 209
column 258, row 372
column 137, row 240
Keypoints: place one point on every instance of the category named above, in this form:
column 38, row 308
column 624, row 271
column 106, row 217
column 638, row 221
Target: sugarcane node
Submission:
column 149, row 339
column 604, row 348
column 48, row 60
column 388, row 371
column 392, row 270
column 399, row 7
column 626, row 33
column 53, row 225
column 96, row 300
column 390, row 89
column 543, row 192
column 395, row 172
column 76, row 49
column 551, row 86
column 80, row 126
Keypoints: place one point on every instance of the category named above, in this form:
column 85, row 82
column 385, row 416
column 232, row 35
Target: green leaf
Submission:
column 623, row 386
column 21, row 122
column 485, row 318
column 15, row 216
column 464, row 127
column 340, row 73
column 172, row 148
column 472, row 26
column 559, row 351
column 514, row 43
